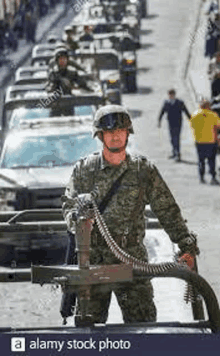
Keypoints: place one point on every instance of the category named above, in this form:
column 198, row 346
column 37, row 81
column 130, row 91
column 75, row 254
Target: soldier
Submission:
column 70, row 38
column 30, row 21
column 62, row 75
column 139, row 183
column 62, row 47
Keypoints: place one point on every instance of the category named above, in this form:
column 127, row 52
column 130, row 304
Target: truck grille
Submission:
column 46, row 198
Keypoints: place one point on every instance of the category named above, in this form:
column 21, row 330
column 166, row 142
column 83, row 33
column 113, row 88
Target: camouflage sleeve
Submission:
column 72, row 190
column 164, row 205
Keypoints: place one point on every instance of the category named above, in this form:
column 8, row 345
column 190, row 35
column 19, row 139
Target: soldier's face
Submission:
column 115, row 138
column 62, row 61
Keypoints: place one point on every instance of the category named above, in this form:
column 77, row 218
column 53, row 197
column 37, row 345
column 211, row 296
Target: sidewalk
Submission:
column 16, row 59
column 197, row 75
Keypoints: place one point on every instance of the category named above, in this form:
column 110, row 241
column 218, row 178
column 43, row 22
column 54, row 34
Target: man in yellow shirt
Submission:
column 204, row 123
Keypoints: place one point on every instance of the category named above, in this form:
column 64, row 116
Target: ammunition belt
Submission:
column 122, row 240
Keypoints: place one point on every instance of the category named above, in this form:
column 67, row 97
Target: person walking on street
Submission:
column 30, row 21
column 204, row 123
column 138, row 183
column 174, row 108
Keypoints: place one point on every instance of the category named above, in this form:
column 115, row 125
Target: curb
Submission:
column 192, row 41
column 185, row 75
column 10, row 73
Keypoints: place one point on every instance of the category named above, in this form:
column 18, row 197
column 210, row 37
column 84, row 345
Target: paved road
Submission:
column 165, row 38
column 167, row 35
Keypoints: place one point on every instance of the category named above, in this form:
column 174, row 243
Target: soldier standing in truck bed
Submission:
column 139, row 183
column 63, row 75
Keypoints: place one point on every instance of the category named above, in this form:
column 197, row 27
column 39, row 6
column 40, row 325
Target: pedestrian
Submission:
column 30, row 21
column 204, row 123
column 138, row 183
column 174, row 108
column 215, row 85
column 210, row 7
column 2, row 35
column 214, row 66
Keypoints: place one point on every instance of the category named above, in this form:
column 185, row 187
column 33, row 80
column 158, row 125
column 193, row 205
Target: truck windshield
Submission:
column 24, row 113
column 47, row 151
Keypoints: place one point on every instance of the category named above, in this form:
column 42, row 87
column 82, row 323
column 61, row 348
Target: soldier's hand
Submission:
column 188, row 259
column 83, row 207
column 189, row 245
column 66, row 82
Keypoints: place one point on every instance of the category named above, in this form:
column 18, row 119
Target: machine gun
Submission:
column 79, row 279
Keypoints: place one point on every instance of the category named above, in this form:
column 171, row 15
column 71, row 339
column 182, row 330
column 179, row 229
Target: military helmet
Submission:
column 61, row 51
column 111, row 117
column 68, row 29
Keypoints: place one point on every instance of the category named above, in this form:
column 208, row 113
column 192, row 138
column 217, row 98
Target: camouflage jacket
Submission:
column 61, row 79
column 93, row 172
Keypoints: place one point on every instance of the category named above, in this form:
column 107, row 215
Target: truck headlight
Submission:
column 113, row 84
column 112, row 81
column 129, row 62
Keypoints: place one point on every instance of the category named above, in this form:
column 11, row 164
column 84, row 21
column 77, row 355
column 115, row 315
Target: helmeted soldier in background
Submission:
column 138, row 183
column 30, row 21
column 70, row 38
column 61, row 48
column 63, row 75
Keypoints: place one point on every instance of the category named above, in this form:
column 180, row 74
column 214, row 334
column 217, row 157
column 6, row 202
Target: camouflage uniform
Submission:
column 94, row 173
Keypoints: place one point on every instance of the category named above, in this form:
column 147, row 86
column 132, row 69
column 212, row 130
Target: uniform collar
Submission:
column 104, row 163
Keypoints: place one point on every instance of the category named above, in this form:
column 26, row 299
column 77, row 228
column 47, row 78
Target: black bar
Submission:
column 115, row 327
column 15, row 275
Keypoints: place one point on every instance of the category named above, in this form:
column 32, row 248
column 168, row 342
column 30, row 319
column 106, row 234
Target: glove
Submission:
column 189, row 245
column 188, row 259
column 83, row 207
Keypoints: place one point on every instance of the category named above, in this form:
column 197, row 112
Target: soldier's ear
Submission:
column 100, row 135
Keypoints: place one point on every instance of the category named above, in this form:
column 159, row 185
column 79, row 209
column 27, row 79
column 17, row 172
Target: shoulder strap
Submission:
column 94, row 164
column 110, row 193
column 115, row 187
column 136, row 210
